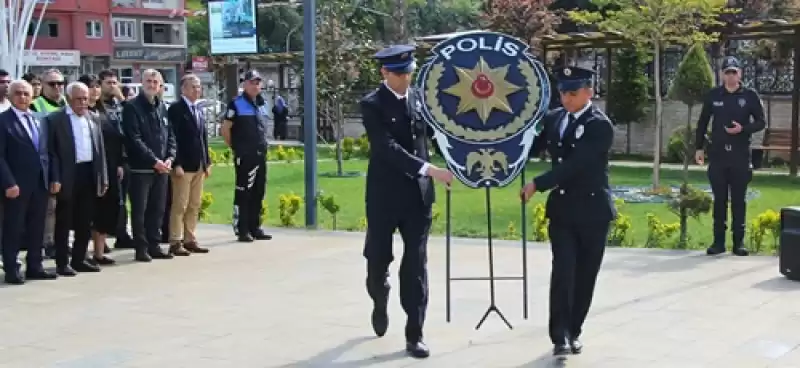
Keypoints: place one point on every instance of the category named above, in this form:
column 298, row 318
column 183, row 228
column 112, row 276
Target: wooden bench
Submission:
column 777, row 140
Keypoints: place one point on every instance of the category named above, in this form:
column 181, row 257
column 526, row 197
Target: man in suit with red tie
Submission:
column 26, row 174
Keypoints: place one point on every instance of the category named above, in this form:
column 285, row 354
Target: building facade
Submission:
column 71, row 35
column 148, row 34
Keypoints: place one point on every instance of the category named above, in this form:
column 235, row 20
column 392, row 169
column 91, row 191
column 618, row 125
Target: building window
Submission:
column 94, row 29
column 154, row 4
column 161, row 34
column 125, row 75
column 48, row 28
column 124, row 30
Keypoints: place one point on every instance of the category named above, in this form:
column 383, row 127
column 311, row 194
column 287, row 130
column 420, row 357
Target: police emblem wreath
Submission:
column 484, row 96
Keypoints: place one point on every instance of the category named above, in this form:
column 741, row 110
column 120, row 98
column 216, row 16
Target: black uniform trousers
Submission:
column 167, row 209
column 729, row 179
column 578, row 250
column 414, row 223
column 148, row 192
column 122, row 234
column 251, row 184
column 75, row 211
column 23, row 224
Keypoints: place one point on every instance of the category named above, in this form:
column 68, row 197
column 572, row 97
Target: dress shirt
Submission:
column 565, row 120
column 23, row 116
column 424, row 169
column 83, row 136
column 193, row 109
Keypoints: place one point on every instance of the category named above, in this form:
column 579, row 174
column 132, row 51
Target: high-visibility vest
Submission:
column 42, row 106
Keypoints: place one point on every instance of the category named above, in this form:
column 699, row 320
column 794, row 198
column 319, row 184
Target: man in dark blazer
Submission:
column 192, row 166
column 76, row 139
column 399, row 194
column 578, row 138
column 26, row 174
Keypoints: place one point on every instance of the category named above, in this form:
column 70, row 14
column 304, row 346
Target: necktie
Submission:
column 34, row 131
column 197, row 116
column 570, row 120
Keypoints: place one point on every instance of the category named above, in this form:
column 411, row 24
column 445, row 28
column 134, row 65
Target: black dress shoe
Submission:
column 142, row 256
column 158, row 253
column 417, row 349
column 40, row 274
column 561, row 349
column 576, row 346
column 65, row 271
column 715, row 249
column 102, row 261
column 260, row 235
column 246, row 238
column 740, row 251
column 380, row 319
column 84, row 266
column 14, row 278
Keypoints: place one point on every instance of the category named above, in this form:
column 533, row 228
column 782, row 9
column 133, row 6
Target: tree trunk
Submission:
column 628, row 138
column 399, row 16
column 339, row 124
column 657, row 151
column 687, row 155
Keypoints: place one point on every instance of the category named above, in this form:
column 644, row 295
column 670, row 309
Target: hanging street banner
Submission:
column 484, row 95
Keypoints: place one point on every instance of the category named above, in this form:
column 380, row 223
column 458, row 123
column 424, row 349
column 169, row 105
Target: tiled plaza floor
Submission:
column 298, row 301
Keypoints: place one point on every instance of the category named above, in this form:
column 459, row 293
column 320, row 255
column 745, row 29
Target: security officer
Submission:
column 245, row 132
column 738, row 114
column 578, row 138
column 399, row 194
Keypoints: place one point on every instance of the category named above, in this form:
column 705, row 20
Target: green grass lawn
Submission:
column 468, row 204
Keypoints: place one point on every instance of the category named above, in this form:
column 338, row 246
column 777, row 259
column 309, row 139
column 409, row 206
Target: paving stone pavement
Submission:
column 299, row 301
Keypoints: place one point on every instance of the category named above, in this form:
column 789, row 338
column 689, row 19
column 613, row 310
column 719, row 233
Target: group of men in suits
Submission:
column 63, row 155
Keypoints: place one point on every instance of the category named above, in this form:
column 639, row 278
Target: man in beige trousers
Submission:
column 192, row 165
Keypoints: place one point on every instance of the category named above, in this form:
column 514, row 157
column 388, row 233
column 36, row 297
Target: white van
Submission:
column 170, row 94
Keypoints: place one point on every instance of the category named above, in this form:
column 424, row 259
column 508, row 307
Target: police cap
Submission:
column 572, row 78
column 731, row 63
column 397, row 59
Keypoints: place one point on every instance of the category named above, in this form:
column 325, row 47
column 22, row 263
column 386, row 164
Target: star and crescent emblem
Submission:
column 484, row 96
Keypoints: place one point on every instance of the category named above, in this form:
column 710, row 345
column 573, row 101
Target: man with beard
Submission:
column 113, row 100
column 150, row 144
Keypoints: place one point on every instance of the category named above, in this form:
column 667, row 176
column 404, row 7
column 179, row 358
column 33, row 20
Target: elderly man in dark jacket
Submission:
column 150, row 144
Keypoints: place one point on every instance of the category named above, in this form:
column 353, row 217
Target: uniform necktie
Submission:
column 197, row 116
column 34, row 131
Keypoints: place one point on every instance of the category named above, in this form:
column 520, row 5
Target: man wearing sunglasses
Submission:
column 737, row 114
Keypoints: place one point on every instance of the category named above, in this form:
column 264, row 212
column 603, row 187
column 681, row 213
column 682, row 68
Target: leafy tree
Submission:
column 276, row 25
column 197, row 35
column 527, row 20
column 428, row 17
column 628, row 89
column 339, row 63
column 655, row 24
column 693, row 80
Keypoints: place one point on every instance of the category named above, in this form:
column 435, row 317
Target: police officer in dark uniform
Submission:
column 399, row 194
column 738, row 114
column 578, row 138
column 245, row 132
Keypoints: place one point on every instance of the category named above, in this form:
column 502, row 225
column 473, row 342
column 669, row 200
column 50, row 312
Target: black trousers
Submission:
column 251, row 184
column 578, row 250
column 729, row 181
column 148, row 196
column 279, row 130
column 23, row 224
column 122, row 219
column 414, row 225
column 75, row 211
column 167, row 209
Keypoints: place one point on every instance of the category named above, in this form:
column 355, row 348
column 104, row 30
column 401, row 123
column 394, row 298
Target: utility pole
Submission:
column 310, row 110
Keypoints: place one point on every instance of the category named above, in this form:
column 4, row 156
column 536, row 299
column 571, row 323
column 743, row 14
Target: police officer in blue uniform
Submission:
column 245, row 132
column 399, row 194
column 737, row 114
column 578, row 138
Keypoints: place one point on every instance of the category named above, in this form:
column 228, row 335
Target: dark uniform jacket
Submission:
column 249, row 128
column 743, row 106
column 398, row 149
column 579, row 174
column 148, row 136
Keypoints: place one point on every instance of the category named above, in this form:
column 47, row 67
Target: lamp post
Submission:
column 310, row 109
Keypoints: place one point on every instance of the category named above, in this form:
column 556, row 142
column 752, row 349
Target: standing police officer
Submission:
column 245, row 132
column 578, row 137
column 399, row 194
column 738, row 114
